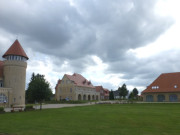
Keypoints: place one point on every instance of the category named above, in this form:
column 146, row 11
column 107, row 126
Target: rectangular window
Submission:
column 70, row 89
column 59, row 90
column 1, row 83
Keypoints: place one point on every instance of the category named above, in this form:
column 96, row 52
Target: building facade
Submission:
column 166, row 88
column 100, row 89
column 13, row 76
column 116, row 94
column 104, row 93
column 75, row 87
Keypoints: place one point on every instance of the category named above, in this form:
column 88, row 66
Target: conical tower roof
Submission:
column 16, row 49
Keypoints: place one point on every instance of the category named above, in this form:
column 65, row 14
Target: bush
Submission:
column 1, row 109
column 29, row 108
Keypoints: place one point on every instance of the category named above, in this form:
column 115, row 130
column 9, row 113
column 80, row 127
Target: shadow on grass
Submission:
column 6, row 134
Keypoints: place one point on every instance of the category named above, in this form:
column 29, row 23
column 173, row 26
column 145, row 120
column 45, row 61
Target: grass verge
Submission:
column 116, row 119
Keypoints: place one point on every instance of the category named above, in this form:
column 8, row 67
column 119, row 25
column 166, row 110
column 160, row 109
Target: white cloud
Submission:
column 108, row 42
column 42, row 64
column 170, row 39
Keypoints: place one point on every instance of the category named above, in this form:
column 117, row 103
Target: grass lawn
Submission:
column 118, row 119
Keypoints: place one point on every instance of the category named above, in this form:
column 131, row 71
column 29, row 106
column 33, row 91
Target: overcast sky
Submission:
column 109, row 42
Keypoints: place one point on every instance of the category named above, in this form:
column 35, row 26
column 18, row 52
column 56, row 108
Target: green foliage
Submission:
column 1, row 109
column 38, row 89
column 135, row 92
column 29, row 108
column 123, row 92
column 111, row 95
column 131, row 95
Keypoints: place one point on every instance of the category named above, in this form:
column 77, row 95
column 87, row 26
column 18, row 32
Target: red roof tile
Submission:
column 98, row 88
column 79, row 80
column 16, row 49
column 59, row 81
column 166, row 82
column 106, row 92
column 1, row 68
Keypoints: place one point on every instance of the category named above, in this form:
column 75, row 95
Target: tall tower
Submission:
column 14, row 70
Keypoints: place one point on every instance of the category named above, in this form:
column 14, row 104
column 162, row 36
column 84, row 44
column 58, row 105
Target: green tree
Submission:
column 131, row 95
column 38, row 89
column 28, row 92
column 135, row 93
column 123, row 92
column 111, row 95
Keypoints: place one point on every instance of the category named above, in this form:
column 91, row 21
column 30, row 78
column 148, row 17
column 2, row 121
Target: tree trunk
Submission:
column 40, row 105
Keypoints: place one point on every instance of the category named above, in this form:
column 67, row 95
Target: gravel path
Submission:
column 47, row 106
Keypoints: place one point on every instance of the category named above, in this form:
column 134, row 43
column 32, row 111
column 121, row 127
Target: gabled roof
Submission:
column 1, row 68
column 166, row 82
column 16, row 49
column 99, row 88
column 106, row 92
column 79, row 80
column 59, row 81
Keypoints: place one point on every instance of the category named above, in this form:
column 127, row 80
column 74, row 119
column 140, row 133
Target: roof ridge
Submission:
column 171, row 73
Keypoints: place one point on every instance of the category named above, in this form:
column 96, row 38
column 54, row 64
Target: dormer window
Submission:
column 1, row 83
column 155, row 87
column 175, row 86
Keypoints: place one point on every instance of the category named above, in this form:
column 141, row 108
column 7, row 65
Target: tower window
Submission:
column 3, row 98
column 1, row 83
column 70, row 89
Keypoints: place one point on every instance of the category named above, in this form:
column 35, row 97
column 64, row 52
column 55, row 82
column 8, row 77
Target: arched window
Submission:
column 89, row 97
column 93, row 97
column 79, row 97
column 1, row 83
column 3, row 98
column 173, row 98
column 149, row 98
column 161, row 98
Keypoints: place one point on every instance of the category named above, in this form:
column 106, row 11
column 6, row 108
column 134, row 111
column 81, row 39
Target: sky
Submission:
column 110, row 42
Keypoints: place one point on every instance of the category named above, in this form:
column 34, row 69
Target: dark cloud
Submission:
column 104, row 28
column 89, row 27
column 142, row 71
